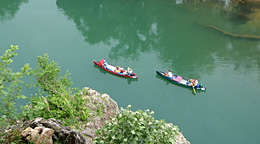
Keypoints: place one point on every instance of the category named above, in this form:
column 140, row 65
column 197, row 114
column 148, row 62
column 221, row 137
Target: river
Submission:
column 149, row 35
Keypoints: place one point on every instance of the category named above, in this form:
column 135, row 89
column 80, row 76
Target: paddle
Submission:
column 193, row 89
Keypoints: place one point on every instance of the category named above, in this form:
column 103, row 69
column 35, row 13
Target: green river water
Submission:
column 149, row 35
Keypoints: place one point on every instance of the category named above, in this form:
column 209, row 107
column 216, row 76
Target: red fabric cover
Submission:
column 101, row 62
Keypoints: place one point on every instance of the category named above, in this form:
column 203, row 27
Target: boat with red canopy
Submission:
column 115, row 69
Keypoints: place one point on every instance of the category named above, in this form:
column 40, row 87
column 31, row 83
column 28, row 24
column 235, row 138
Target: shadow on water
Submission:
column 8, row 8
column 135, row 27
column 129, row 80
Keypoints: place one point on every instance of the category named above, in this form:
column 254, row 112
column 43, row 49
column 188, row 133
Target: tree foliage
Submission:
column 10, row 83
column 56, row 97
column 60, row 102
column 136, row 127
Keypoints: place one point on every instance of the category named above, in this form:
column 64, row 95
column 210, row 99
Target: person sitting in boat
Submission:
column 125, row 72
column 119, row 70
column 129, row 71
column 193, row 82
column 104, row 64
column 169, row 74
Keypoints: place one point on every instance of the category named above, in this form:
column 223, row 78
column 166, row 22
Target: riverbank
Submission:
column 49, row 131
column 247, row 11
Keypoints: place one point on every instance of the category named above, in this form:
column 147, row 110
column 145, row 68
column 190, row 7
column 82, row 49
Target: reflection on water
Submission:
column 136, row 26
column 8, row 8
column 134, row 30
column 244, row 15
column 141, row 27
column 240, row 54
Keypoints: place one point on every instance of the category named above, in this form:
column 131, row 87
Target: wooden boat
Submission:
column 179, row 80
column 109, row 68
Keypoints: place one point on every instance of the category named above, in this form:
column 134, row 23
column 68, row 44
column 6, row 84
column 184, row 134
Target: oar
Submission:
column 193, row 88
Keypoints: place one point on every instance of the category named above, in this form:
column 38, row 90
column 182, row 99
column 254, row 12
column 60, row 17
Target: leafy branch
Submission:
column 59, row 101
column 10, row 83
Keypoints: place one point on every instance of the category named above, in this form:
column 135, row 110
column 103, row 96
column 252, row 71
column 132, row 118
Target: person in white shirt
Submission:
column 129, row 71
column 169, row 74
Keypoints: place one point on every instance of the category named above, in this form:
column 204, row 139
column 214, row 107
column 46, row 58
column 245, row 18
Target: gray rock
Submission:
column 96, row 102
column 27, row 132
column 49, row 131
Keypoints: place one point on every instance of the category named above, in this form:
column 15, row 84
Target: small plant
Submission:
column 100, row 112
column 14, row 136
column 136, row 127
column 3, row 125
column 10, row 83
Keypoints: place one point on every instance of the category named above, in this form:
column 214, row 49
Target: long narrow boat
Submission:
column 109, row 69
column 181, row 81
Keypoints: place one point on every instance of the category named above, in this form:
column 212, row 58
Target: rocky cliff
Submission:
column 51, row 131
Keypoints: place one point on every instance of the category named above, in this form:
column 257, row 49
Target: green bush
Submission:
column 55, row 99
column 136, row 127
column 10, row 83
column 60, row 102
